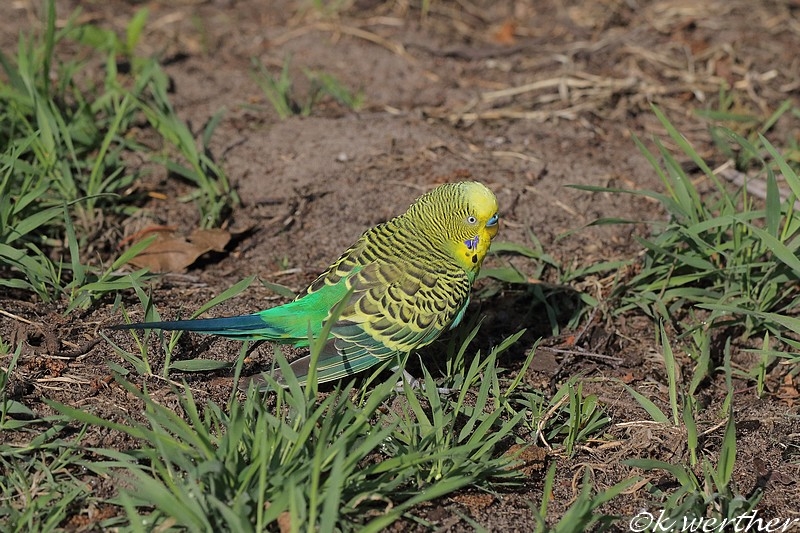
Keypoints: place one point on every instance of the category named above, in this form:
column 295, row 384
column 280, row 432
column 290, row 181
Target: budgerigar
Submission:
column 405, row 282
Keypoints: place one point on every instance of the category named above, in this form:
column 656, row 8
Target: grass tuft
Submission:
column 63, row 176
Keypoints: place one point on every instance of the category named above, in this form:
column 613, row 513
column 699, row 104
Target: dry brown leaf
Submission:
column 788, row 391
column 285, row 522
column 174, row 253
column 505, row 34
column 211, row 239
column 139, row 235
column 168, row 255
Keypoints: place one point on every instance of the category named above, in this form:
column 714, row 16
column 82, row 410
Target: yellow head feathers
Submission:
column 461, row 218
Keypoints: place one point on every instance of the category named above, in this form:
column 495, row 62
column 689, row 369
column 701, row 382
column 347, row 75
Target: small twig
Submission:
column 542, row 421
column 585, row 81
column 284, row 272
column 714, row 428
column 585, row 328
column 15, row 317
column 517, row 155
column 593, row 355
column 81, row 350
column 359, row 33
column 755, row 186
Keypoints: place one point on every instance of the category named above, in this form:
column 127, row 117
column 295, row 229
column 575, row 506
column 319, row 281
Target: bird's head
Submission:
column 462, row 218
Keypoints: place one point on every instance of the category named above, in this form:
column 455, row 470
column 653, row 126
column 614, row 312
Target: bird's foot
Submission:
column 417, row 384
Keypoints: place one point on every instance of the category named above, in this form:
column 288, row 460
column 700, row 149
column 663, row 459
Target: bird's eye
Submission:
column 472, row 220
column 492, row 221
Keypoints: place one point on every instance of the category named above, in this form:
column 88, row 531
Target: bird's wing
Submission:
column 392, row 308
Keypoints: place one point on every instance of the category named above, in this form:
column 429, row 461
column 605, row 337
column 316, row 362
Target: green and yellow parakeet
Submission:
column 405, row 282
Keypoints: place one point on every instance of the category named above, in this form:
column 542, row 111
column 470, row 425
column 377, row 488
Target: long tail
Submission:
column 244, row 327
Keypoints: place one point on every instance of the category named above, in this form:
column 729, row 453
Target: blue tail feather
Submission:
column 242, row 327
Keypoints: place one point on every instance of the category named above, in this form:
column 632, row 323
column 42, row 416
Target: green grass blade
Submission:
column 647, row 404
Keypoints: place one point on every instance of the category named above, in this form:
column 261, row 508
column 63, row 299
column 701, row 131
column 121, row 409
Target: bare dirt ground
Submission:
column 440, row 106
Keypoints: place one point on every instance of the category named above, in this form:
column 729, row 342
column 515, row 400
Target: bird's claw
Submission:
column 416, row 384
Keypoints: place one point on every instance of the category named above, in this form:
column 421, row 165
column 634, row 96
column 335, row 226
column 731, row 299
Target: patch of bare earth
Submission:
column 527, row 97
